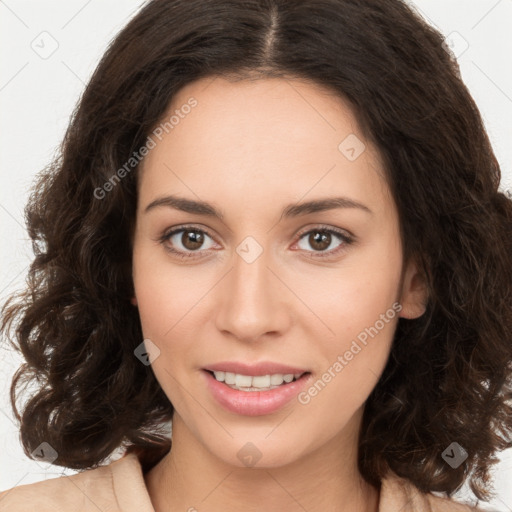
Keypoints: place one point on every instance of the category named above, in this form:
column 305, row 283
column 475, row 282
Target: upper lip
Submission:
column 261, row 368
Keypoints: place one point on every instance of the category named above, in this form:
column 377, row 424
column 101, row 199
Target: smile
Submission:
column 255, row 382
column 254, row 395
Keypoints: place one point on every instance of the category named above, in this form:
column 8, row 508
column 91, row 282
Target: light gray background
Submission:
column 38, row 92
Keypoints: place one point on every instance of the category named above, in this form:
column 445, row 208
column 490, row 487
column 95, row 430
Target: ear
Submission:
column 414, row 293
column 133, row 300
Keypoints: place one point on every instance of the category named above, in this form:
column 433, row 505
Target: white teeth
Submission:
column 220, row 376
column 243, row 381
column 276, row 380
column 259, row 382
column 229, row 378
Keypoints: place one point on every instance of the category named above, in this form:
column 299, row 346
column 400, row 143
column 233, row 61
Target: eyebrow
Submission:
column 290, row 211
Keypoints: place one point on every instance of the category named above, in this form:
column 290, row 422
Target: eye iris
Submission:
column 324, row 239
column 192, row 239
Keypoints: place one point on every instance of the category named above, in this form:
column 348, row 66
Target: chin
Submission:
column 257, row 452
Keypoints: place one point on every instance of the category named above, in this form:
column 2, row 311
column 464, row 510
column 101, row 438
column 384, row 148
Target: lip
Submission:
column 254, row 403
column 261, row 368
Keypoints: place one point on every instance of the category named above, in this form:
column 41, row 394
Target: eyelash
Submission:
column 348, row 240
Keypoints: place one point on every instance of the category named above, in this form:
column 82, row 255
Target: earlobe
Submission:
column 133, row 301
column 414, row 293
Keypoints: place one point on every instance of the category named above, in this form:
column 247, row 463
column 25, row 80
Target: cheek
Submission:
column 171, row 306
column 165, row 299
column 362, row 303
column 359, row 311
column 354, row 296
column 362, row 322
column 165, row 293
column 156, row 302
column 363, row 318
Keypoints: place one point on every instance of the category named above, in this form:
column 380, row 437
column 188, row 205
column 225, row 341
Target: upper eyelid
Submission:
column 324, row 227
column 172, row 231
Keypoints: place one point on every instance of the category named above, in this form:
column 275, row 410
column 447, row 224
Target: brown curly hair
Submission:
column 448, row 377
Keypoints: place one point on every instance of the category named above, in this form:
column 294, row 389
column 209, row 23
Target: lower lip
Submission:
column 254, row 403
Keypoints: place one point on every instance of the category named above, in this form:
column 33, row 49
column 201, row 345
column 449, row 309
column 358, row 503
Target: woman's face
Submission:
column 263, row 283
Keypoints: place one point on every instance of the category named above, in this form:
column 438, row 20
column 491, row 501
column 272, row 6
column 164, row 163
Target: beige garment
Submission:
column 120, row 487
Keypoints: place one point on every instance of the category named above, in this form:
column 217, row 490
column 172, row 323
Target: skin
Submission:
column 251, row 149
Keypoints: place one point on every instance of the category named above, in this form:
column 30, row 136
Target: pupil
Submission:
column 192, row 239
column 320, row 237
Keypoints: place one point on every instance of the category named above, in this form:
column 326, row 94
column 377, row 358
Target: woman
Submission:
column 277, row 224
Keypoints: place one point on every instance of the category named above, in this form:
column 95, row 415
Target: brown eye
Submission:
column 192, row 239
column 322, row 242
column 187, row 242
column 319, row 240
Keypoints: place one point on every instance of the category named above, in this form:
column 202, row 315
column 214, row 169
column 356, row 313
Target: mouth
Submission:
column 254, row 395
column 251, row 383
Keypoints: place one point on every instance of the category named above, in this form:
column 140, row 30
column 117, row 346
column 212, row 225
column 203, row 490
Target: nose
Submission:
column 253, row 302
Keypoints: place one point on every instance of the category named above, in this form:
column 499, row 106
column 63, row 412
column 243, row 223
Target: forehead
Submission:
column 264, row 113
column 279, row 136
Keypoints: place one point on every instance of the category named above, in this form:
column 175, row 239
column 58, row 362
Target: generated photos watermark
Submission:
column 137, row 156
column 305, row 397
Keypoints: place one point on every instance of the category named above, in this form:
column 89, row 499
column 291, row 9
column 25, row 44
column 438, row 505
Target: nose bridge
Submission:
column 253, row 301
column 250, row 272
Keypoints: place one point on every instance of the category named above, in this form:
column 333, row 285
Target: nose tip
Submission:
column 251, row 303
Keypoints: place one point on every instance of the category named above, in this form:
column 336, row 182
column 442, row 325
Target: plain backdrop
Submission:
column 48, row 52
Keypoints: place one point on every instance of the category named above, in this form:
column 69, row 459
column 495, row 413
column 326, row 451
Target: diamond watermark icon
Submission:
column 455, row 43
column 45, row 45
column 454, row 455
column 352, row 147
column 147, row 352
column 249, row 249
column 44, row 455
column 249, row 454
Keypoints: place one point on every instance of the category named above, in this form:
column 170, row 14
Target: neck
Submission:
column 191, row 478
